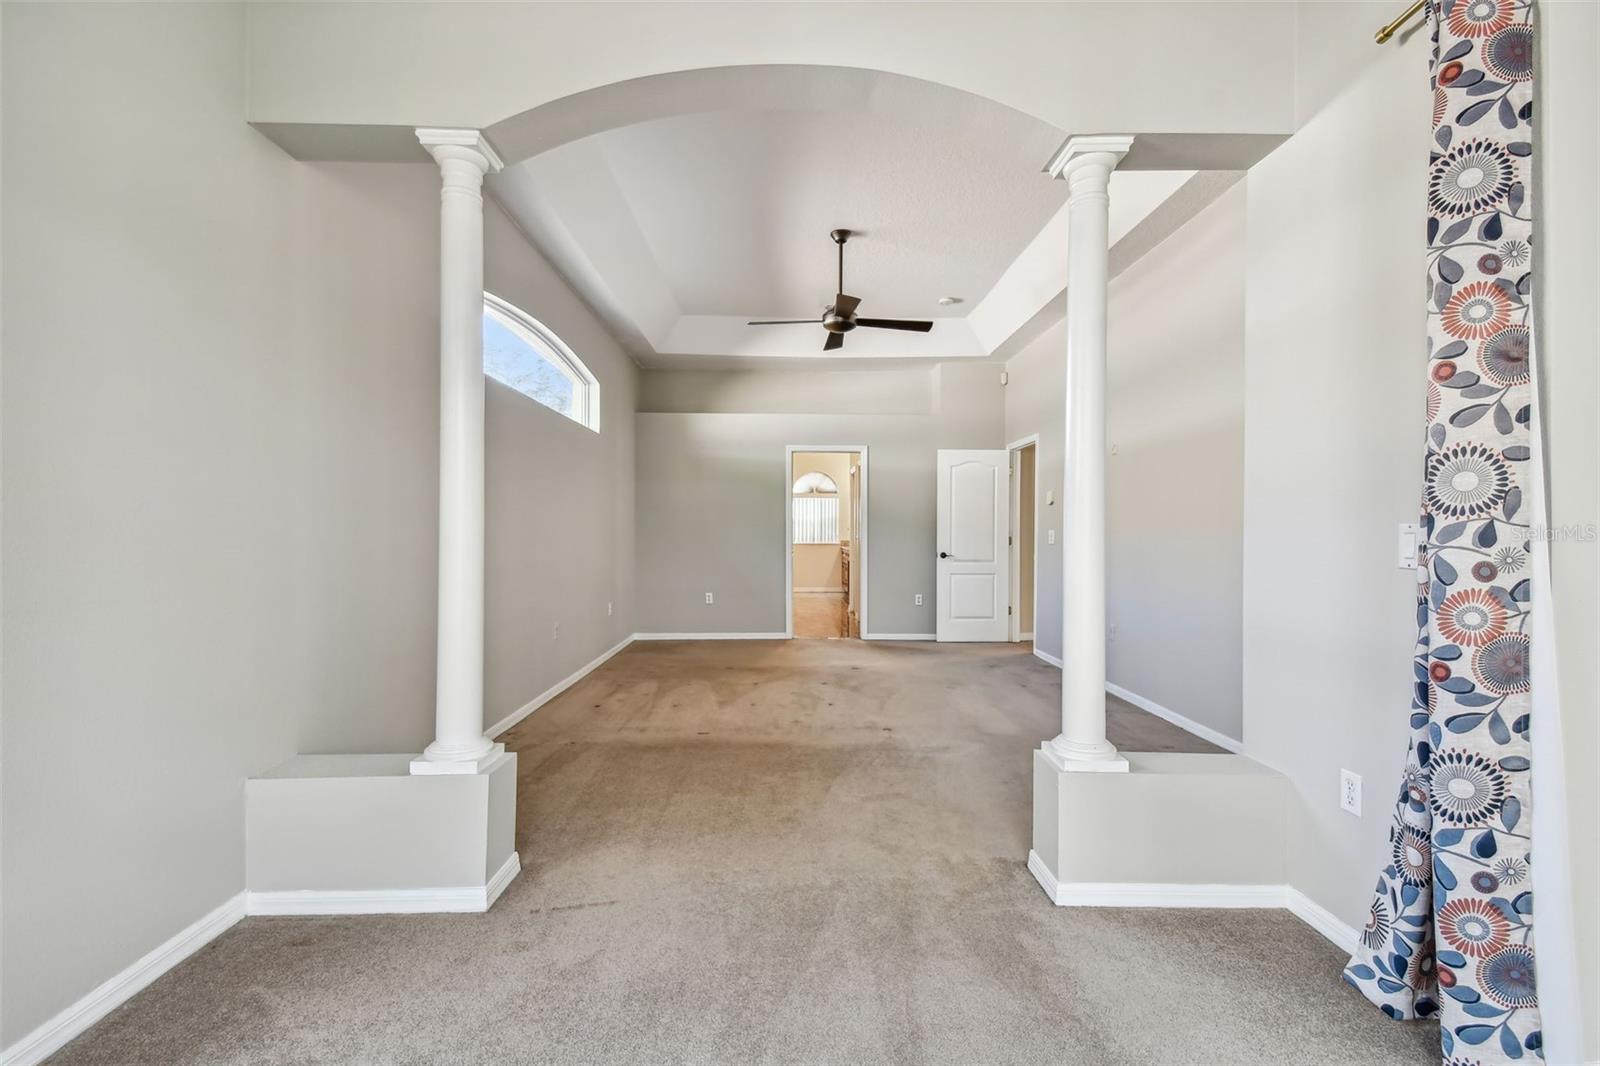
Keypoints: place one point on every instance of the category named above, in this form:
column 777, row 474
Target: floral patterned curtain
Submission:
column 1451, row 926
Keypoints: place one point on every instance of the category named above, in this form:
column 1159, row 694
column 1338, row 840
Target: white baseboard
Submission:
column 502, row 879
column 1120, row 894
column 472, row 899
column 1204, row 732
column 1041, row 873
column 50, row 1037
column 1276, row 897
column 711, row 636
column 54, row 1034
column 820, row 588
column 1320, row 918
column 555, row 690
column 899, row 636
column 1047, row 657
column 1135, row 894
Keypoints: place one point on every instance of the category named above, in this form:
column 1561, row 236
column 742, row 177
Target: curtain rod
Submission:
column 1389, row 31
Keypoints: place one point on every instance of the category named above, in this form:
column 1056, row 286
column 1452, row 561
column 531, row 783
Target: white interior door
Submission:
column 973, row 596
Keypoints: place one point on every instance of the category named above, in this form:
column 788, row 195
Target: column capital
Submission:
column 1081, row 149
column 445, row 144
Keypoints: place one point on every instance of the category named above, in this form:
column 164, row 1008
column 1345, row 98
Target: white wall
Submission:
column 1334, row 393
column 1567, row 264
column 220, row 479
column 1103, row 65
column 710, row 505
column 1175, row 430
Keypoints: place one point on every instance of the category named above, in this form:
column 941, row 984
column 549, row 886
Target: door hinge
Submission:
column 1008, row 610
column 1008, row 541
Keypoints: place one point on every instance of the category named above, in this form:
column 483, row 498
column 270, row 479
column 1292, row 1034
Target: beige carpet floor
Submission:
column 752, row 852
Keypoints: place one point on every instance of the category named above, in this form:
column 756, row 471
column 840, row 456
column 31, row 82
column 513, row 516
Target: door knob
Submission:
column 944, row 555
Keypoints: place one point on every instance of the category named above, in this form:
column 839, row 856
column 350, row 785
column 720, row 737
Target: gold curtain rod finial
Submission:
column 1390, row 30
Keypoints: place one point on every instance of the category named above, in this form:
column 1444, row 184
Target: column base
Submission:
column 1178, row 829
column 359, row 834
column 426, row 764
column 1061, row 754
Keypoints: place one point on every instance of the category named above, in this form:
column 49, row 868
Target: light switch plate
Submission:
column 1410, row 545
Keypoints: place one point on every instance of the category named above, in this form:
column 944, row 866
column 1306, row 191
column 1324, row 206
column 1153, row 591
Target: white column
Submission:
column 459, row 745
column 1086, row 163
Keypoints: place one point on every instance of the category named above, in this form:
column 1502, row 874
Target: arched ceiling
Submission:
column 683, row 195
column 1094, row 66
column 733, row 207
column 715, row 207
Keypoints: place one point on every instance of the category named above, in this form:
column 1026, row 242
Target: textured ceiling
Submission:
column 735, row 207
column 679, row 228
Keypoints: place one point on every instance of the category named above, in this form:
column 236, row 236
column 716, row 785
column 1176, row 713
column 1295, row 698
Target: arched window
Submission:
column 521, row 352
column 816, row 509
column 815, row 482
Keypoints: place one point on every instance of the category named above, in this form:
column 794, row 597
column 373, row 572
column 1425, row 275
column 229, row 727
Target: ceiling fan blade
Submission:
column 834, row 342
column 784, row 322
column 845, row 305
column 895, row 323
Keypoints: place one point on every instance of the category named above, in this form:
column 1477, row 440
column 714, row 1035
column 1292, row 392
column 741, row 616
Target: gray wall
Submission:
column 559, row 536
column 1333, row 409
column 854, row 392
column 1175, row 430
column 712, row 484
column 1035, row 402
column 220, row 479
column 1334, row 393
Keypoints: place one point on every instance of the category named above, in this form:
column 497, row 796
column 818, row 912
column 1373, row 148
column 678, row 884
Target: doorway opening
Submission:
column 826, row 489
column 1024, row 541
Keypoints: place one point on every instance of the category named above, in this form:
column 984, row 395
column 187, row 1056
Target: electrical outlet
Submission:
column 1050, row 536
column 555, row 631
column 1111, row 632
column 608, row 608
column 919, row 599
column 1350, row 792
column 710, row 599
